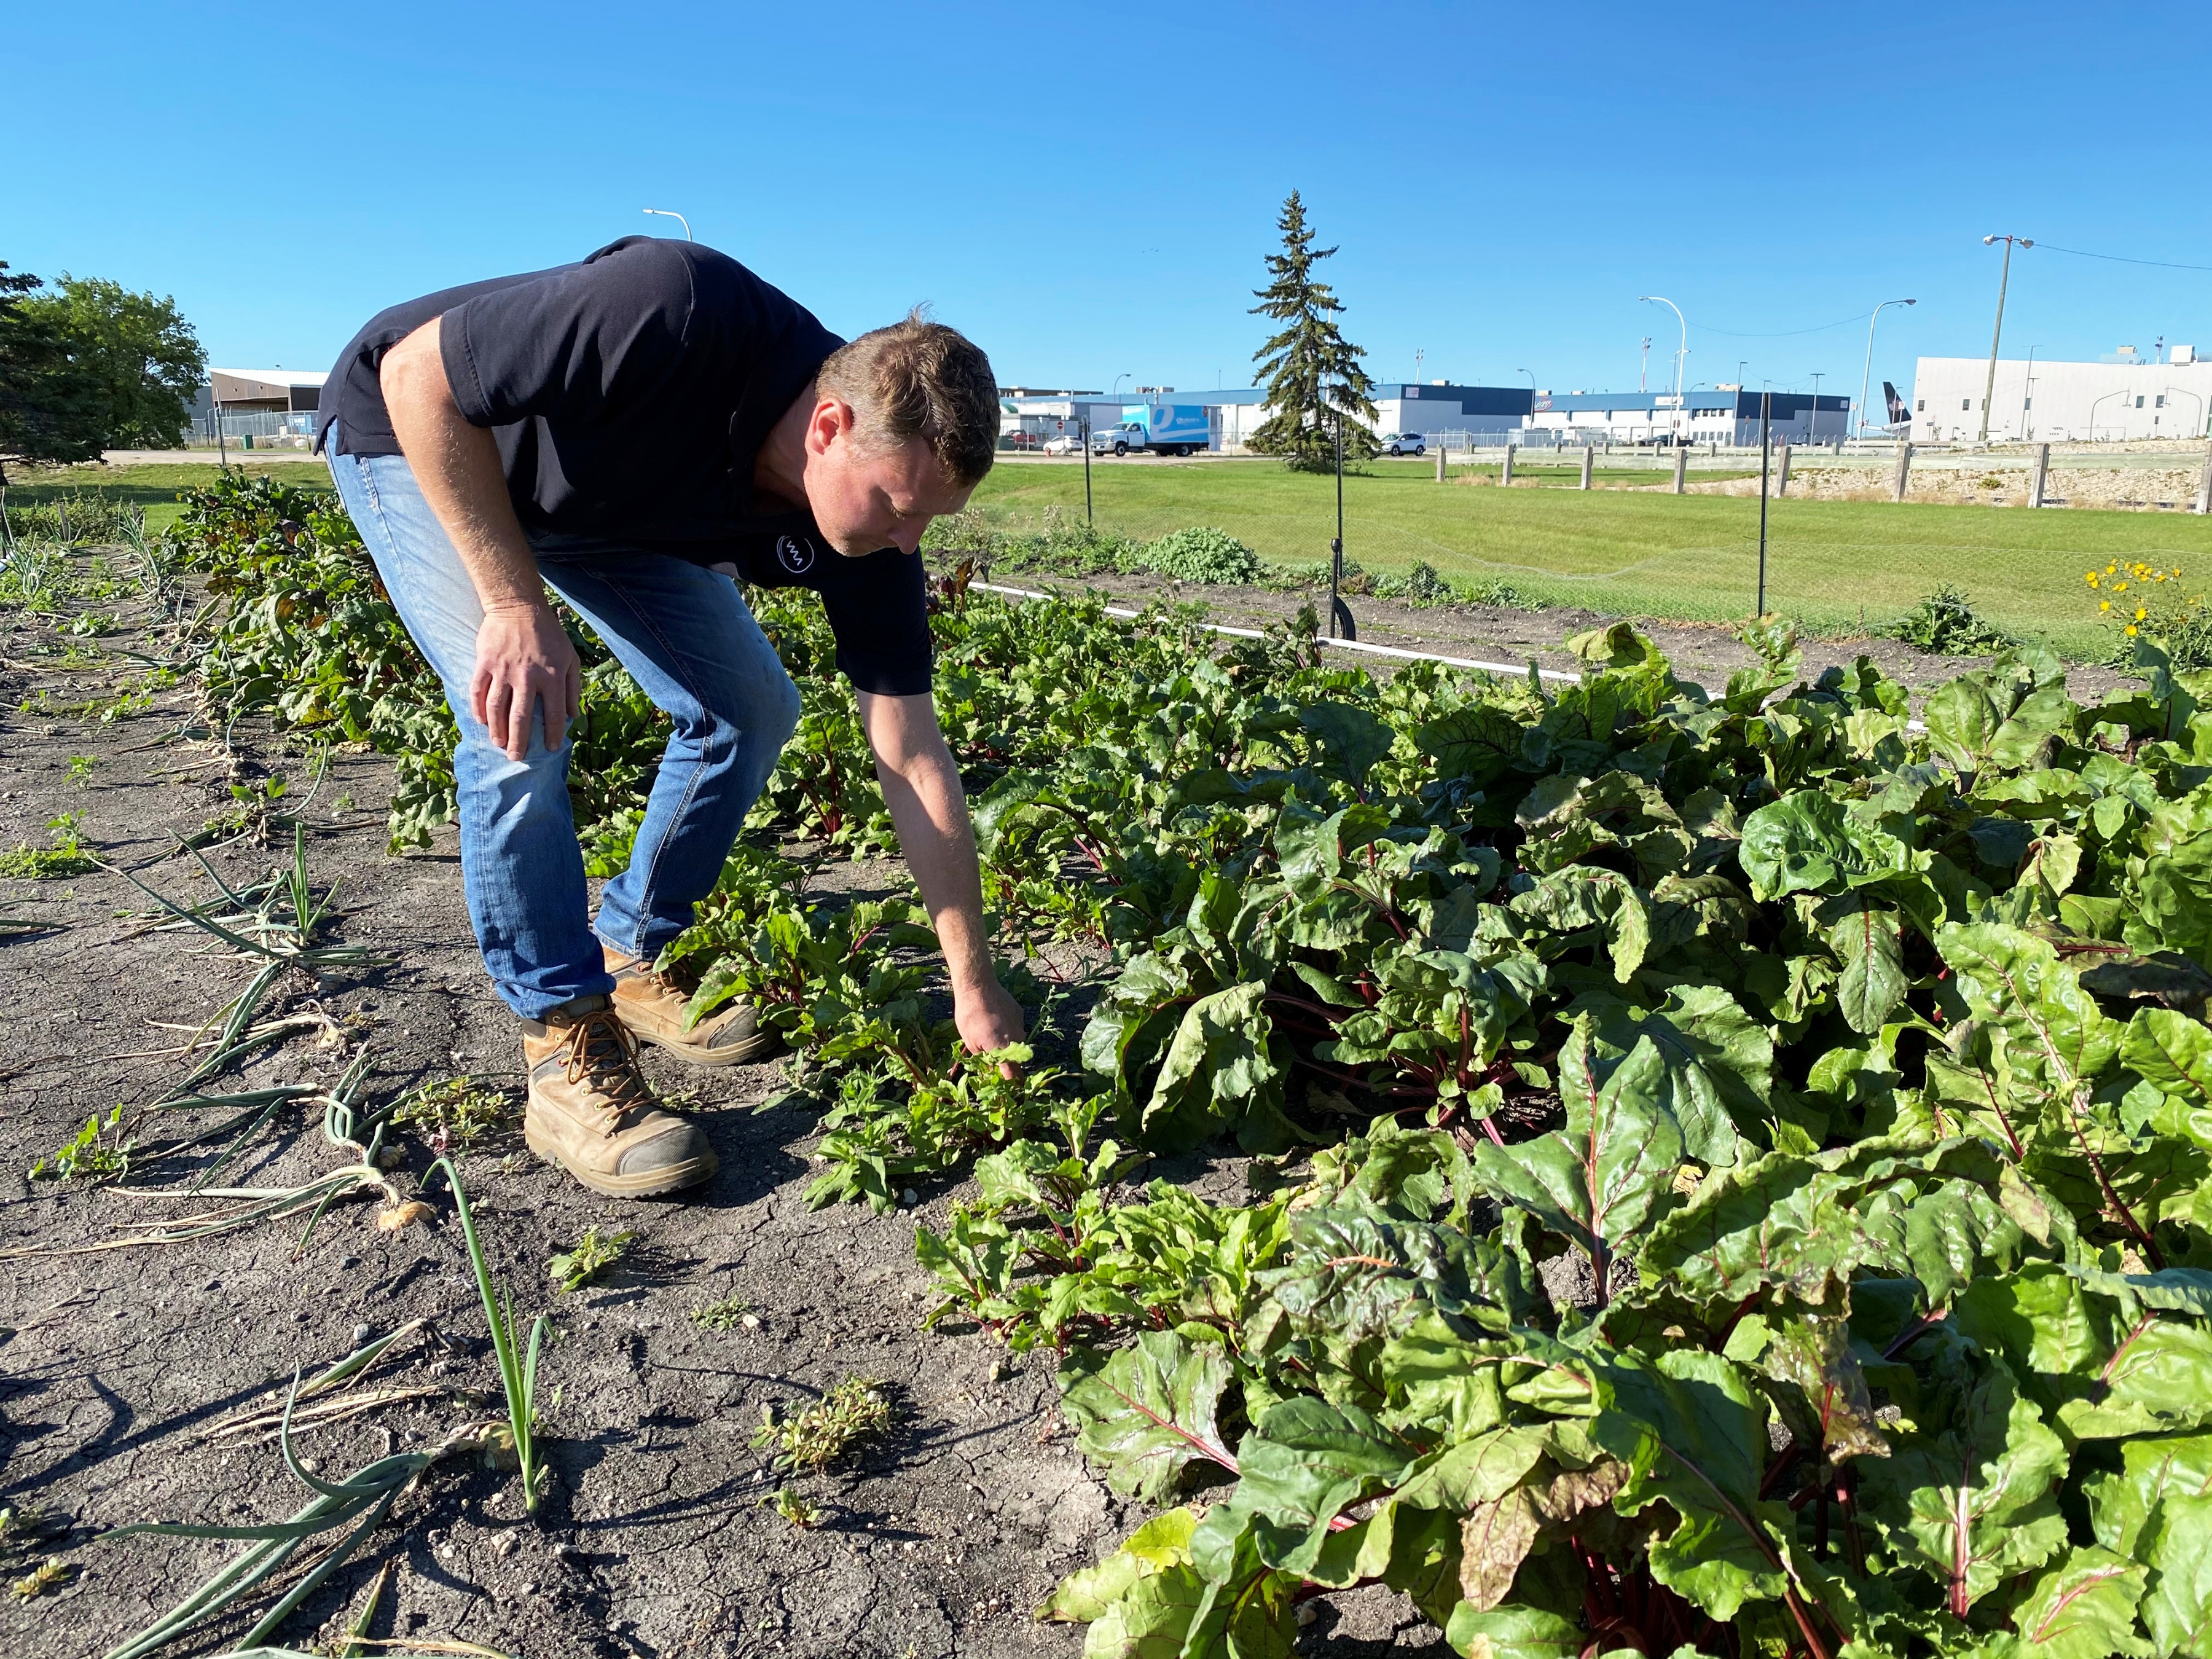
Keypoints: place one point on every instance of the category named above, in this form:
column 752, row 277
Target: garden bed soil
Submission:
column 651, row 1539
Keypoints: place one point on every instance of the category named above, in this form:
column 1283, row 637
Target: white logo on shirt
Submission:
column 795, row 554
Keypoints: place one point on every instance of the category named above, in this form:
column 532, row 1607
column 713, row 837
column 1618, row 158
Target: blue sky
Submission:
column 1089, row 190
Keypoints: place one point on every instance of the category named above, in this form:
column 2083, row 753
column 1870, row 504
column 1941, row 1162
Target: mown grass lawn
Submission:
column 1639, row 552
column 154, row 488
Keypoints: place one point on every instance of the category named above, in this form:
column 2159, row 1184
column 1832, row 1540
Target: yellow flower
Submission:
column 2104, row 604
column 2131, row 630
column 2119, row 587
column 2141, row 614
column 2110, row 568
column 2092, row 579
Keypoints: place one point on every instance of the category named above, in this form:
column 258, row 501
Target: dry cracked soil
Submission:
column 652, row 1538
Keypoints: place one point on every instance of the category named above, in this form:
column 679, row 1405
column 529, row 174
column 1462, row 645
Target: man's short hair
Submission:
column 917, row 379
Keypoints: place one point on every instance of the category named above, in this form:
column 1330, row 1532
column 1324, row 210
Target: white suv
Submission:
column 1403, row 443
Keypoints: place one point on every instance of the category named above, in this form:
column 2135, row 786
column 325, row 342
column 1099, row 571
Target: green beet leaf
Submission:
column 1693, row 1431
column 1162, row 1542
column 2084, row 1608
column 1868, row 940
column 1596, row 1181
column 1147, row 1410
column 1513, row 1633
column 1353, row 1274
column 1976, row 1501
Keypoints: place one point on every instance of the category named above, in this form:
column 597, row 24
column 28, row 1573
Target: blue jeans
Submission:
column 685, row 636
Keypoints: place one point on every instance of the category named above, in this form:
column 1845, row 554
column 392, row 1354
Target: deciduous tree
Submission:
column 48, row 412
column 133, row 355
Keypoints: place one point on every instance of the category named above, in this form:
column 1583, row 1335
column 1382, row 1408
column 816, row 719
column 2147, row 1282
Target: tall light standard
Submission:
column 2181, row 391
column 1661, row 298
column 1531, row 373
column 1643, row 366
column 2005, row 276
column 1866, row 375
column 2093, row 402
column 2027, row 394
column 667, row 213
column 1813, row 415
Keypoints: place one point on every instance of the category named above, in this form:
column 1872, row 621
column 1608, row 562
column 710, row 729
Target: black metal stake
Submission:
column 1085, row 422
column 1338, row 611
column 1765, row 408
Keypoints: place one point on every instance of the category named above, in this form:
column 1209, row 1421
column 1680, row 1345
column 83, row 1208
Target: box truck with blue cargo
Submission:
column 1164, row 429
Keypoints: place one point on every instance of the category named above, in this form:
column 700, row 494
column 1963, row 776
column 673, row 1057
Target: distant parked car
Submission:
column 1021, row 440
column 1063, row 445
column 1404, row 443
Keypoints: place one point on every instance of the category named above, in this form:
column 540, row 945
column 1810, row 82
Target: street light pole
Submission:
column 2182, row 391
column 666, row 214
column 1813, row 415
column 2027, row 394
column 1866, row 375
column 2005, row 276
column 2093, row 402
column 1661, row 298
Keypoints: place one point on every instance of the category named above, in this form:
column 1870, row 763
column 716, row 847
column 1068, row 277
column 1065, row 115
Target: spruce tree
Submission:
column 1312, row 373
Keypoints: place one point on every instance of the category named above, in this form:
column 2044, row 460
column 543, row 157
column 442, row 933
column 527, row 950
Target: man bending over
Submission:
column 633, row 432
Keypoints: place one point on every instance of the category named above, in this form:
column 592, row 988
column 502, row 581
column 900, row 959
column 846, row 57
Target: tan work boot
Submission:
column 592, row 1112
column 653, row 1007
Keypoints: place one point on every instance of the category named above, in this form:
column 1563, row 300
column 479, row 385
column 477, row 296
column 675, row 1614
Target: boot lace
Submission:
column 603, row 1054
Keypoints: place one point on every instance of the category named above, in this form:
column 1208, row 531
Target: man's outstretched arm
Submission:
column 523, row 653
column 921, row 786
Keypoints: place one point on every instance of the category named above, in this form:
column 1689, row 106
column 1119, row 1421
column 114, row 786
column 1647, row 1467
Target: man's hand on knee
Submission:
column 524, row 658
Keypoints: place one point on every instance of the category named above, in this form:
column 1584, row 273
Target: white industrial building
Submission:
column 2124, row 397
column 1448, row 416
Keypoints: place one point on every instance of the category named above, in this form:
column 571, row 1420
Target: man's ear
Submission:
column 833, row 419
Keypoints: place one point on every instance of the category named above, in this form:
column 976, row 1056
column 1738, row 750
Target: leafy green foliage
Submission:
column 594, row 1251
column 457, row 1114
column 1201, row 553
column 1944, row 621
column 99, row 1151
column 1783, row 1218
column 829, row 1431
column 69, row 855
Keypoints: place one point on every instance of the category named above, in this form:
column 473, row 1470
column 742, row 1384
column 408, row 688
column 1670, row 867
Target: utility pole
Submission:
column 1813, row 416
column 1643, row 369
column 2005, row 276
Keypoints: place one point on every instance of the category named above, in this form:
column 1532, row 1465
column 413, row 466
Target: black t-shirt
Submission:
column 630, row 395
